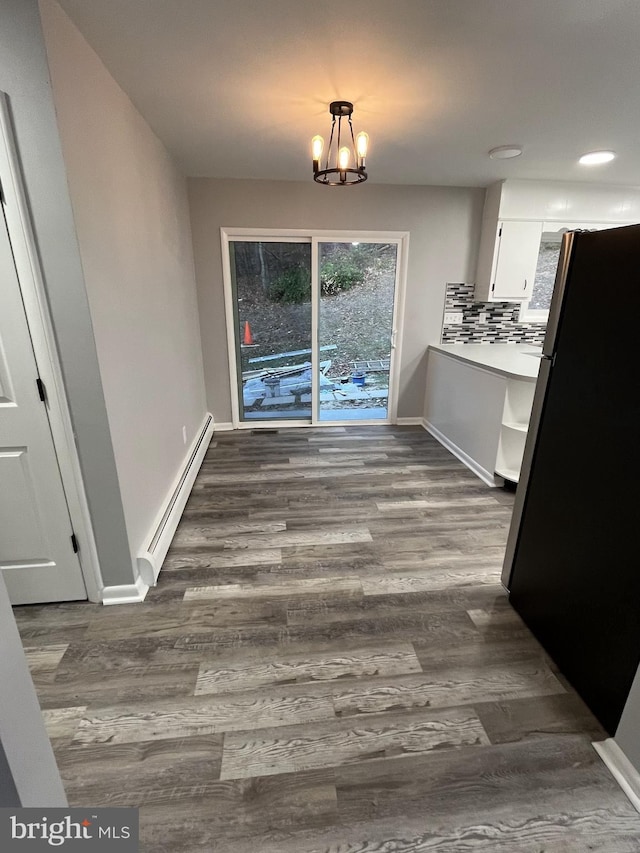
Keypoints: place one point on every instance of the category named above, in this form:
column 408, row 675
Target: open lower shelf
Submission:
column 513, row 431
column 508, row 474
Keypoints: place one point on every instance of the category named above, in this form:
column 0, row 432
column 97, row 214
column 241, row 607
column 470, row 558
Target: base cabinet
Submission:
column 481, row 416
column 513, row 428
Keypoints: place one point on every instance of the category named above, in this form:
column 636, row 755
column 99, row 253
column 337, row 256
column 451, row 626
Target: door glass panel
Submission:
column 357, row 286
column 271, row 284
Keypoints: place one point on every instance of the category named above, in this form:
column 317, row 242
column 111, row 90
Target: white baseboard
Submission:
column 162, row 532
column 410, row 421
column 472, row 465
column 223, row 426
column 130, row 593
column 621, row 769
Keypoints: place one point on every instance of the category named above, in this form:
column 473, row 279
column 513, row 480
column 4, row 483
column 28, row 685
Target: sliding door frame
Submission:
column 314, row 237
column 251, row 235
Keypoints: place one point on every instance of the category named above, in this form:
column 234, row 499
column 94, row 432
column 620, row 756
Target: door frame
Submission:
column 315, row 236
column 34, row 297
column 228, row 236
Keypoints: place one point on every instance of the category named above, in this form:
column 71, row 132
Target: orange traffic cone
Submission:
column 248, row 337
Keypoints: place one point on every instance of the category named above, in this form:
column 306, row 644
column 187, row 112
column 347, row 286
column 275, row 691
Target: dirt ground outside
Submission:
column 358, row 322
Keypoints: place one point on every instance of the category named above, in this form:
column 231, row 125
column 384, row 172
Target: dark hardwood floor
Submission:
column 327, row 665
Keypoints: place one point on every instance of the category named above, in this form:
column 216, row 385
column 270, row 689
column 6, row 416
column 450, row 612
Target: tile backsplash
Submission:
column 499, row 326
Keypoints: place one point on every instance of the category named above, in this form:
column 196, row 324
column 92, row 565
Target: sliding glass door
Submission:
column 271, row 293
column 311, row 325
column 357, row 284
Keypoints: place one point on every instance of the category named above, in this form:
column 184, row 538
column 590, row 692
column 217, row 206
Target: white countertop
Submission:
column 515, row 361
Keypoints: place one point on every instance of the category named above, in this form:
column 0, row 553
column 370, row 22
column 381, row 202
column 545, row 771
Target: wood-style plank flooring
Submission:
column 327, row 665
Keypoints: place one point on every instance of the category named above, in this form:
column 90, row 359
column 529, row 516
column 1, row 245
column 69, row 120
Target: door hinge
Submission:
column 74, row 543
column 42, row 391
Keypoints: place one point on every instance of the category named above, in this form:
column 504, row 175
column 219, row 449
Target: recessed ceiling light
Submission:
column 505, row 152
column 594, row 158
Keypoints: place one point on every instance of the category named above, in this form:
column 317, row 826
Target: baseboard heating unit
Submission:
column 151, row 559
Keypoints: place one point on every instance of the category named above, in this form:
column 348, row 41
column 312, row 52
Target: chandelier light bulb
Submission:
column 343, row 158
column 317, row 146
column 362, row 143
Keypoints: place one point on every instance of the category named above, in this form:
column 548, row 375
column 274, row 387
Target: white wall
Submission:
column 131, row 213
column 444, row 223
column 24, row 76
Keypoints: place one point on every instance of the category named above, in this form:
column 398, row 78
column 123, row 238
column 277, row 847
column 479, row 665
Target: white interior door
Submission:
column 37, row 556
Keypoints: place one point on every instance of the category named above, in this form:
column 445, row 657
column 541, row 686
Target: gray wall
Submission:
column 24, row 76
column 27, row 765
column 628, row 734
column 132, row 219
column 444, row 223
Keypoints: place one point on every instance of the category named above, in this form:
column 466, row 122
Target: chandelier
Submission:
column 344, row 163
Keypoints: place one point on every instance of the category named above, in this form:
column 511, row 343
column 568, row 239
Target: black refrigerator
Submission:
column 572, row 564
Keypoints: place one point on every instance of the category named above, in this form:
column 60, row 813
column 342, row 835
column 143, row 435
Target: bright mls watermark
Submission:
column 104, row 830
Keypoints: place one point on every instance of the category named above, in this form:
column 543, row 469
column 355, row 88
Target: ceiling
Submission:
column 237, row 88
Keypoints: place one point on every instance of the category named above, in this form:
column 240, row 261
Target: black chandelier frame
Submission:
column 334, row 176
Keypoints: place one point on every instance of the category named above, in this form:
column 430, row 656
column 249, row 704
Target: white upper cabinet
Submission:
column 514, row 261
column 516, row 213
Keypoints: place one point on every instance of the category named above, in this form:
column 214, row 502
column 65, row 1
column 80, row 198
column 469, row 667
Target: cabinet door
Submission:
column 517, row 257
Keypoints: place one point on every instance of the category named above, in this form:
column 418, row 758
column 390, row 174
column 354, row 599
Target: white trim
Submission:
column 223, row 426
column 399, row 298
column 304, row 235
column 411, row 422
column 315, row 329
column 164, row 527
column 46, row 354
column 130, row 593
column 532, row 315
column 353, row 422
column 315, row 236
column 478, row 470
column 267, row 423
column 231, row 328
column 274, row 235
column 621, row 769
